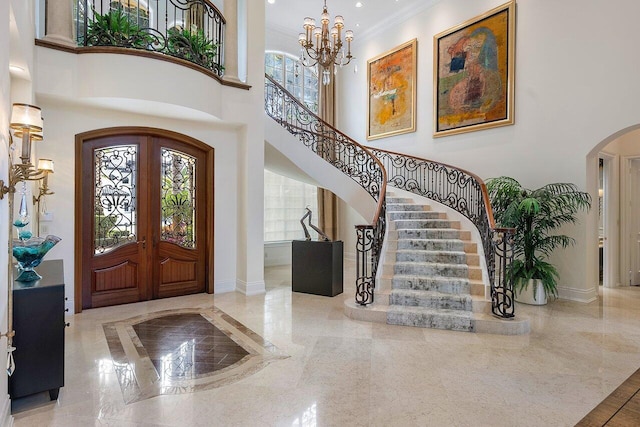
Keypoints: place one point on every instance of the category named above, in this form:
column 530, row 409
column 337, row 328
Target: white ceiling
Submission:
column 287, row 15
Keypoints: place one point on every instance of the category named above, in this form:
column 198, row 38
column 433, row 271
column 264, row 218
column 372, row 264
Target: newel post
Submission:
column 231, row 40
column 59, row 22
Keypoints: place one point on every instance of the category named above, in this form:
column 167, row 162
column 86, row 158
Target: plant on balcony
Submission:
column 115, row 28
column 536, row 215
column 194, row 46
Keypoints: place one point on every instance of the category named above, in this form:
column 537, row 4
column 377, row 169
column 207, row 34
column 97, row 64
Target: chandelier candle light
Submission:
column 327, row 50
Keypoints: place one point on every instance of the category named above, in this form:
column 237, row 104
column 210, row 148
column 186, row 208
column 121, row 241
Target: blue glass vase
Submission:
column 29, row 254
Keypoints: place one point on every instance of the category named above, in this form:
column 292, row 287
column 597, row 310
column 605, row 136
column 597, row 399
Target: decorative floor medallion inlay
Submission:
column 182, row 351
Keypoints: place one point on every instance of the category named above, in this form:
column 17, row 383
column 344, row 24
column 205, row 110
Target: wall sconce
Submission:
column 45, row 167
column 27, row 123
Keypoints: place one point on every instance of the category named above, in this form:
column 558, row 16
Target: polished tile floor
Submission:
column 183, row 351
column 620, row 408
column 347, row 373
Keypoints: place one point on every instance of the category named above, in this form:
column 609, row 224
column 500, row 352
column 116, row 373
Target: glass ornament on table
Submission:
column 27, row 249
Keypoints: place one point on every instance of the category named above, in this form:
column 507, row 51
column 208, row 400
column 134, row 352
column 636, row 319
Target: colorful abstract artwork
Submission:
column 392, row 92
column 473, row 68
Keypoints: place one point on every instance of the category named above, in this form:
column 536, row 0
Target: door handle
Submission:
column 143, row 242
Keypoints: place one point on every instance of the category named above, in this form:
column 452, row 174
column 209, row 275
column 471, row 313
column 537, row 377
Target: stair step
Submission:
column 398, row 200
column 403, row 207
column 403, row 224
column 431, row 244
column 450, row 285
column 427, row 233
column 475, row 273
column 428, row 269
column 417, row 215
column 444, row 257
column 431, row 299
column 428, row 318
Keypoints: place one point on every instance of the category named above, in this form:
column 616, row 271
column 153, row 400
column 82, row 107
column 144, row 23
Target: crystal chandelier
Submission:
column 327, row 50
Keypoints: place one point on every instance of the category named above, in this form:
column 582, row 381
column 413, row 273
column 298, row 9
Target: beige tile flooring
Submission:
column 348, row 373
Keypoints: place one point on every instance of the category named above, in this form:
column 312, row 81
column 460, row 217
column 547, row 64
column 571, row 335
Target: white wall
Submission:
column 5, row 111
column 64, row 121
column 82, row 92
column 570, row 94
column 348, row 219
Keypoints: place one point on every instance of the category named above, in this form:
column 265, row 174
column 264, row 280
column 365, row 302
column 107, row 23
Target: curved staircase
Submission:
column 431, row 276
column 434, row 274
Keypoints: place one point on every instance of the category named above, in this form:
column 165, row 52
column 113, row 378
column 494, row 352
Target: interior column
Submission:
column 59, row 23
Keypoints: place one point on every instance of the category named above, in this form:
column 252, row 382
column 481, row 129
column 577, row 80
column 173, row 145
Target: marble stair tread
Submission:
column 456, row 284
column 399, row 215
column 477, row 287
column 431, row 244
column 430, row 318
column 482, row 322
column 437, row 223
column 431, row 269
column 438, row 256
column 431, row 299
column 428, row 233
column 403, row 207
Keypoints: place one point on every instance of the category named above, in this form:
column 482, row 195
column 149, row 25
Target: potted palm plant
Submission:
column 536, row 215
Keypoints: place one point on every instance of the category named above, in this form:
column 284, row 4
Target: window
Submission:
column 285, row 201
column 301, row 81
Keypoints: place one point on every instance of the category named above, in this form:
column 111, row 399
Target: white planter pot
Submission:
column 527, row 295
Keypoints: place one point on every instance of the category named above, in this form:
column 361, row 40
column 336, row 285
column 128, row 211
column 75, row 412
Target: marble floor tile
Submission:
column 341, row 372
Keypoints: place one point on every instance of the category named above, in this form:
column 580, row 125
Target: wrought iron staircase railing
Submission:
column 466, row 193
column 373, row 168
column 350, row 158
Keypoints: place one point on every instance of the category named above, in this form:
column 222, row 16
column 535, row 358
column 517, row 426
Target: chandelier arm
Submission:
column 323, row 45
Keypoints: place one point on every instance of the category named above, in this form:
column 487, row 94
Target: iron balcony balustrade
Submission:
column 467, row 194
column 192, row 30
column 348, row 157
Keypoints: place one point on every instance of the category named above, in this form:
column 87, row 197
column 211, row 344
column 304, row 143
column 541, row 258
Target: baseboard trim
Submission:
column 579, row 295
column 250, row 288
column 224, row 286
column 5, row 416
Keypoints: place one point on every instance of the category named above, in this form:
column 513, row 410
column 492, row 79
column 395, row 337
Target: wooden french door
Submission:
column 144, row 219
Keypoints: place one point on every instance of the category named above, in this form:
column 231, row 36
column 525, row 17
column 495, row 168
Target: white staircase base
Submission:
column 482, row 320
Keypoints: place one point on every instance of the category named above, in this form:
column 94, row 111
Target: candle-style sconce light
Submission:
column 45, row 167
column 27, row 124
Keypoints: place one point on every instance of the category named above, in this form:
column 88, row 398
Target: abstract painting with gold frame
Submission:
column 474, row 73
column 391, row 79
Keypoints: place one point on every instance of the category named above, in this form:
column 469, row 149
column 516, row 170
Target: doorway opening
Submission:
column 144, row 216
column 601, row 237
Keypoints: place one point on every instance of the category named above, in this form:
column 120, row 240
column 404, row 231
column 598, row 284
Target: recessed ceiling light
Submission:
column 359, row 4
column 271, row 1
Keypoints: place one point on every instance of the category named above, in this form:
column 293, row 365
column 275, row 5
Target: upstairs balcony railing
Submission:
column 467, row 194
column 192, row 30
column 348, row 157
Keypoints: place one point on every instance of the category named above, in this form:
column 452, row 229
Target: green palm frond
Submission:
column 536, row 215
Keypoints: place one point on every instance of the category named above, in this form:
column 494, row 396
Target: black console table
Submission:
column 316, row 267
column 38, row 320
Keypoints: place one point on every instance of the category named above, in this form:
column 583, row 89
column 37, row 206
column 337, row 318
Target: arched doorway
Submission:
column 613, row 231
column 144, row 216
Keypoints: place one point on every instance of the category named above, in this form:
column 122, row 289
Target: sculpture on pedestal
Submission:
column 307, row 236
